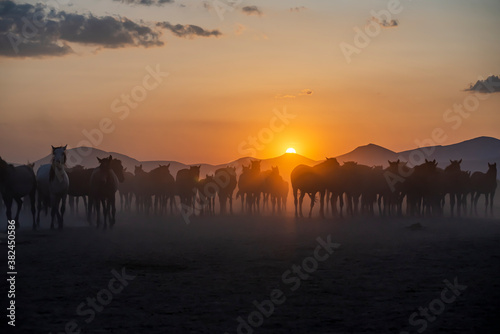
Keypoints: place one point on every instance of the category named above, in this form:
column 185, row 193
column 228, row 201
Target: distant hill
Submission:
column 476, row 153
column 371, row 155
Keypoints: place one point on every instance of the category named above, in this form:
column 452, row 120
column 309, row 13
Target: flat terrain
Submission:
column 200, row 277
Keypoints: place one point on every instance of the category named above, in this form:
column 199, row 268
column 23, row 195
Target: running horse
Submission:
column 15, row 183
column 53, row 185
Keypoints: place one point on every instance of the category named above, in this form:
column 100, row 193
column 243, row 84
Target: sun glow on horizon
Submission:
column 290, row 150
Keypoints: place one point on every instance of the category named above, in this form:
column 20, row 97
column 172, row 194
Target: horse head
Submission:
column 59, row 155
column 255, row 165
column 492, row 168
column 138, row 170
column 105, row 163
column 454, row 166
column 195, row 171
column 117, row 167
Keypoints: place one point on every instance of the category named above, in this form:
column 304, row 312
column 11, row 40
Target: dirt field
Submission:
column 261, row 274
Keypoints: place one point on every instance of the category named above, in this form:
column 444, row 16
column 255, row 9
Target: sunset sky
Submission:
column 232, row 68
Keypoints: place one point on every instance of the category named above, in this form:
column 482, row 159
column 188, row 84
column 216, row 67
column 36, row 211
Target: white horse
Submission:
column 53, row 184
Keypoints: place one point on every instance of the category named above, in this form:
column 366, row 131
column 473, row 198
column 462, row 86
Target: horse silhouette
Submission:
column 103, row 186
column 186, row 182
column 393, row 194
column 142, row 190
column 452, row 185
column 225, row 179
column 79, row 186
column 277, row 189
column 162, row 185
column 311, row 180
column 425, row 189
column 485, row 183
column 126, row 189
column 15, row 183
column 207, row 190
column 250, row 186
column 53, row 185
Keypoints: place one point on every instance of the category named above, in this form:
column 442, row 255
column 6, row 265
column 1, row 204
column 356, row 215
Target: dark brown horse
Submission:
column 103, row 186
column 395, row 177
column 453, row 185
column 225, row 178
column 142, row 190
column 126, row 189
column 207, row 190
column 15, row 183
column 186, row 182
column 162, row 186
column 277, row 189
column 485, row 183
column 311, row 180
column 79, row 185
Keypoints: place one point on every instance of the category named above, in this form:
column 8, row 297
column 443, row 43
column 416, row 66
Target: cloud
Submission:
column 298, row 9
column 146, row 2
column 188, row 30
column 285, row 96
column 307, row 92
column 251, row 10
column 35, row 30
column 490, row 85
column 385, row 23
column 303, row 92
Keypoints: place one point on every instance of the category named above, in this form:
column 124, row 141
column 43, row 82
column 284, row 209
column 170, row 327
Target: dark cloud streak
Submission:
column 188, row 30
column 251, row 10
column 490, row 85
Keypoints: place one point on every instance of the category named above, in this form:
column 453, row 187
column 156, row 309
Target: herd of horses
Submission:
column 358, row 186
column 424, row 187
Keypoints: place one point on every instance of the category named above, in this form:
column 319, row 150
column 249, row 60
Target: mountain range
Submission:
column 475, row 154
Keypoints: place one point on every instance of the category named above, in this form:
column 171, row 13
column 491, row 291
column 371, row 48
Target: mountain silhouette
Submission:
column 476, row 153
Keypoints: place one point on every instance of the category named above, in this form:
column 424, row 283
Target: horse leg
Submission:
column 97, row 204
column 33, row 207
column 476, row 198
column 322, row 204
column 452, row 203
column 39, row 209
column 295, row 201
column 312, row 196
column 8, row 208
column 492, row 196
column 113, row 210
column 63, row 209
column 19, row 202
column 486, row 197
column 53, row 210
column 301, row 200
column 230, row 197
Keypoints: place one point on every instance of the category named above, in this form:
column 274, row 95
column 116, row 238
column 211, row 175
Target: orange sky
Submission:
column 221, row 90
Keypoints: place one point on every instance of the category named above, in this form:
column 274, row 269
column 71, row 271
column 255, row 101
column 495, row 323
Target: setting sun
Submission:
column 290, row 150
